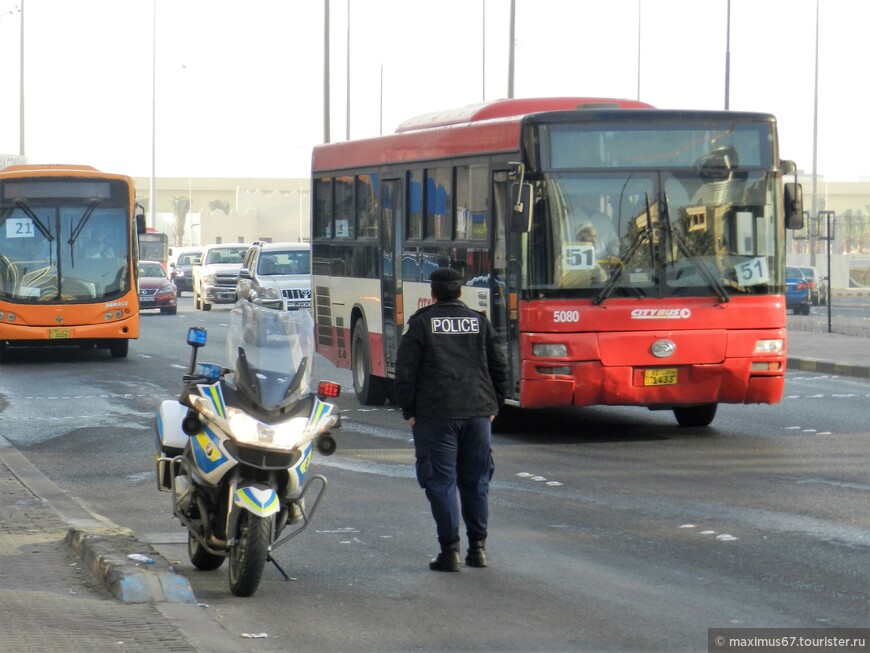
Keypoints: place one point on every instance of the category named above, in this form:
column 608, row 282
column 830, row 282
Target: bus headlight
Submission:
column 550, row 350
column 769, row 346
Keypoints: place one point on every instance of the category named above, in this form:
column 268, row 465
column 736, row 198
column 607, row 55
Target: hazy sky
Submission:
column 239, row 87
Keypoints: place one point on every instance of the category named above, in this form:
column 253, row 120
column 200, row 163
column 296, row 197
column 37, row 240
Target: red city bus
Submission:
column 626, row 255
column 154, row 246
column 68, row 258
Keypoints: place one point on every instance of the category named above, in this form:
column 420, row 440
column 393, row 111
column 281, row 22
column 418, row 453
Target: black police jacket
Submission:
column 450, row 364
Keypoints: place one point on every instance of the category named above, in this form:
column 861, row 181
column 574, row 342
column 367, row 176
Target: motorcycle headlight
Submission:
column 284, row 435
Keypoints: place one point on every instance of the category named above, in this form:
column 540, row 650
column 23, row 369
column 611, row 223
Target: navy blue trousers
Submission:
column 455, row 455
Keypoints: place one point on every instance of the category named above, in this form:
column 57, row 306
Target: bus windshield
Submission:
column 71, row 252
column 664, row 220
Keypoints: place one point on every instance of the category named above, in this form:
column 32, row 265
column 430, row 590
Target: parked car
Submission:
column 277, row 275
column 156, row 290
column 182, row 270
column 818, row 285
column 797, row 291
column 216, row 275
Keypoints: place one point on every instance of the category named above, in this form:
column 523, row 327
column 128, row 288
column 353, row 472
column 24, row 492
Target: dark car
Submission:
column 182, row 270
column 797, row 291
column 156, row 290
column 818, row 286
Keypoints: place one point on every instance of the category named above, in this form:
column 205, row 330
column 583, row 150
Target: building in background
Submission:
column 228, row 210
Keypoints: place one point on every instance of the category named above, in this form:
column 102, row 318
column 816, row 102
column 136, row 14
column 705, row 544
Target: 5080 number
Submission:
column 566, row 316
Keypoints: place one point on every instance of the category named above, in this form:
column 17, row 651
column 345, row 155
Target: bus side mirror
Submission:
column 793, row 205
column 140, row 220
column 521, row 209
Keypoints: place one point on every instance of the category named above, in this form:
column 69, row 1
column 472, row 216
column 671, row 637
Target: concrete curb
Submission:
column 102, row 545
column 828, row 367
column 105, row 553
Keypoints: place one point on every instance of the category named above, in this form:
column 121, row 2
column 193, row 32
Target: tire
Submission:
column 199, row 557
column 248, row 556
column 806, row 309
column 370, row 390
column 693, row 416
column 205, row 305
column 172, row 310
column 197, row 303
column 119, row 348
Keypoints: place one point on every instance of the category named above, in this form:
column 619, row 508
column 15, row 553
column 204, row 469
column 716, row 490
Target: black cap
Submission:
column 445, row 275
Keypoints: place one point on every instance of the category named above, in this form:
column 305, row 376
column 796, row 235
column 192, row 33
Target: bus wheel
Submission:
column 695, row 415
column 370, row 390
column 119, row 348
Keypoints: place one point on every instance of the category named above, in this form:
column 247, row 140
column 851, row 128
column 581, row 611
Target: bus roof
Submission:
column 514, row 107
column 60, row 170
column 479, row 128
column 32, row 167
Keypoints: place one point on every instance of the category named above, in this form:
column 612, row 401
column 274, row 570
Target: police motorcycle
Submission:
column 234, row 450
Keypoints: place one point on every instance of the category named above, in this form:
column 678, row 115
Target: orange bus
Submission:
column 68, row 253
column 626, row 255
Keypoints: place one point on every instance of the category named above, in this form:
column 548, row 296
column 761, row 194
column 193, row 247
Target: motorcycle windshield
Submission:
column 271, row 353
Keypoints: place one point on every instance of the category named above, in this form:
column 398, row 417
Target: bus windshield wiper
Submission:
column 92, row 206
column 713, row 283
column 21, row 204
column 646, row 232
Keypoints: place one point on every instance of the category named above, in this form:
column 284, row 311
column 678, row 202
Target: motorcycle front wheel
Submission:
column 248, row 556
column 201, row 558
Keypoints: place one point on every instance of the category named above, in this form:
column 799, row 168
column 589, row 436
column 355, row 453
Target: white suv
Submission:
column 216, row 274
column 277, row 275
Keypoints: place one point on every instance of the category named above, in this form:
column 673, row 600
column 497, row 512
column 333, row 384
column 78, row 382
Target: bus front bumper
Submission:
column 589, row 383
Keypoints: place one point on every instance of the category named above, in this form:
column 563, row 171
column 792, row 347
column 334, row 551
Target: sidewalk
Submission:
column 66, row 583
column 828, row 353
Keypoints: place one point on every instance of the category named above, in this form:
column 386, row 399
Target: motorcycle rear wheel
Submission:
column 201, row 558
column 248, row 556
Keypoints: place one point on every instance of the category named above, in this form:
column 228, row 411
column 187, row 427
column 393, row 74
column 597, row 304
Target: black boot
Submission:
column 476, row 556
column 448, row 559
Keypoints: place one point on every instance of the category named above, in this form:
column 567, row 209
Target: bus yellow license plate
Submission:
column 667, row 376
column 56, row 334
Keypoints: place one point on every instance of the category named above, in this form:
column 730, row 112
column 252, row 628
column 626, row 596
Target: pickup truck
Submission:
column 216, row 274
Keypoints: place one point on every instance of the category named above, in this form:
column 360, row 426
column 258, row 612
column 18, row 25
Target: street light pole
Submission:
column 815, row 135
column 152, row 201
column 21, row 86
column 728, row 57
column 511, row 50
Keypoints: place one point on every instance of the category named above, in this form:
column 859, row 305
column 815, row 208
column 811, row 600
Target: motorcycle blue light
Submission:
column 208, row 371
column 196, row 336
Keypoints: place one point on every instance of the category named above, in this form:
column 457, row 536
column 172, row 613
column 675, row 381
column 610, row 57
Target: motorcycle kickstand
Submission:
column 269, row 558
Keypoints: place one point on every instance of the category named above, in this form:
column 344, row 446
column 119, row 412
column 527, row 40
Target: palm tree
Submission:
column 180, row 207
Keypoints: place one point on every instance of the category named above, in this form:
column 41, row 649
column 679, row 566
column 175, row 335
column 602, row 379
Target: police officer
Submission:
column 450, row 384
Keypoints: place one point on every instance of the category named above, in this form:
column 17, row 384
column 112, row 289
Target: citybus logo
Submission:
column 661, row 314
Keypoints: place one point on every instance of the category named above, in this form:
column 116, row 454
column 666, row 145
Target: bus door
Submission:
column 391, row 223
column 505, row 279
